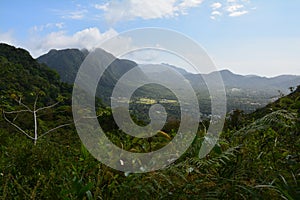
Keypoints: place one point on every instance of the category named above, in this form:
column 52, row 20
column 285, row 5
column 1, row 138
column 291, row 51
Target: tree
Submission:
column 34, row 111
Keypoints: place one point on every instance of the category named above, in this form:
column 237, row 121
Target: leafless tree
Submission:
column 34, row 112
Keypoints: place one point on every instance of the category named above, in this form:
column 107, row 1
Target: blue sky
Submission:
column 245, row 36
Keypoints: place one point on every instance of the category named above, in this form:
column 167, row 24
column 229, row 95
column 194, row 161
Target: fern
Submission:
column 279, row 118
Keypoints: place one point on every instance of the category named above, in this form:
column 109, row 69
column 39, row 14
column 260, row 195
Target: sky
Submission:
column 244, row 36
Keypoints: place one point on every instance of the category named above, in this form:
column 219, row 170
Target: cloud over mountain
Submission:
column 130, row 9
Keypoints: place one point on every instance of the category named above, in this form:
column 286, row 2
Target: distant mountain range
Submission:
column 243, row 92
column 231, row 80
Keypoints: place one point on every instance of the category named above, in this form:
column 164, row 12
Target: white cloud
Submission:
column 102, row 6
column 237, row 8
column 186, row 4
column 115, row 11
column 238, row 13
column 59, row 25
column 234, row 8
column 144, row 56
column 215, row 10
column 231, row 8
column 88, row 38
column 77, row 14
column 7, row 37
column 216, row 5
column 190, row 3
column 216, row 13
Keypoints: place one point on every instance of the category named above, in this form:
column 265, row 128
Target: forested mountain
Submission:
column 257, row 156
column 243, row 92
column 65, row 62
column 27, row 88
column 250, row 82
column 236, row 81
column 23, row 77
column 68, row 61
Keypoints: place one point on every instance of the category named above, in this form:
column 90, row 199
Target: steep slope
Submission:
column 289, row 103
column 68, row 61
column 33, row 101
column 21, row 75
column 269, row 143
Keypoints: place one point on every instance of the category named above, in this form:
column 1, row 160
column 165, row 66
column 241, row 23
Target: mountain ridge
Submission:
column 226, row 74
column 68, row 61
column 247, row 92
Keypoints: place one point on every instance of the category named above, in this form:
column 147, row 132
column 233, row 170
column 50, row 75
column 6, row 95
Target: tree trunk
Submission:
column 35, row 127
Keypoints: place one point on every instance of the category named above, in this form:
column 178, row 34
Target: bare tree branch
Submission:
column 34, row 111
column 35, row 101
column 47, row 107
column 15, row 118
column 18, row 111
column 16, row 126
column 60, row 126
column 20, row 103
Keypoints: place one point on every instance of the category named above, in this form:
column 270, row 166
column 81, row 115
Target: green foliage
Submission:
column 257, row 156
column 65, row 62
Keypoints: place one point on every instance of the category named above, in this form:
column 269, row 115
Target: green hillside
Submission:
column 65, row 62
column 257, row 156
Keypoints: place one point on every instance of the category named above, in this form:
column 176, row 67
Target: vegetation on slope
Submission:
column 257, row 156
